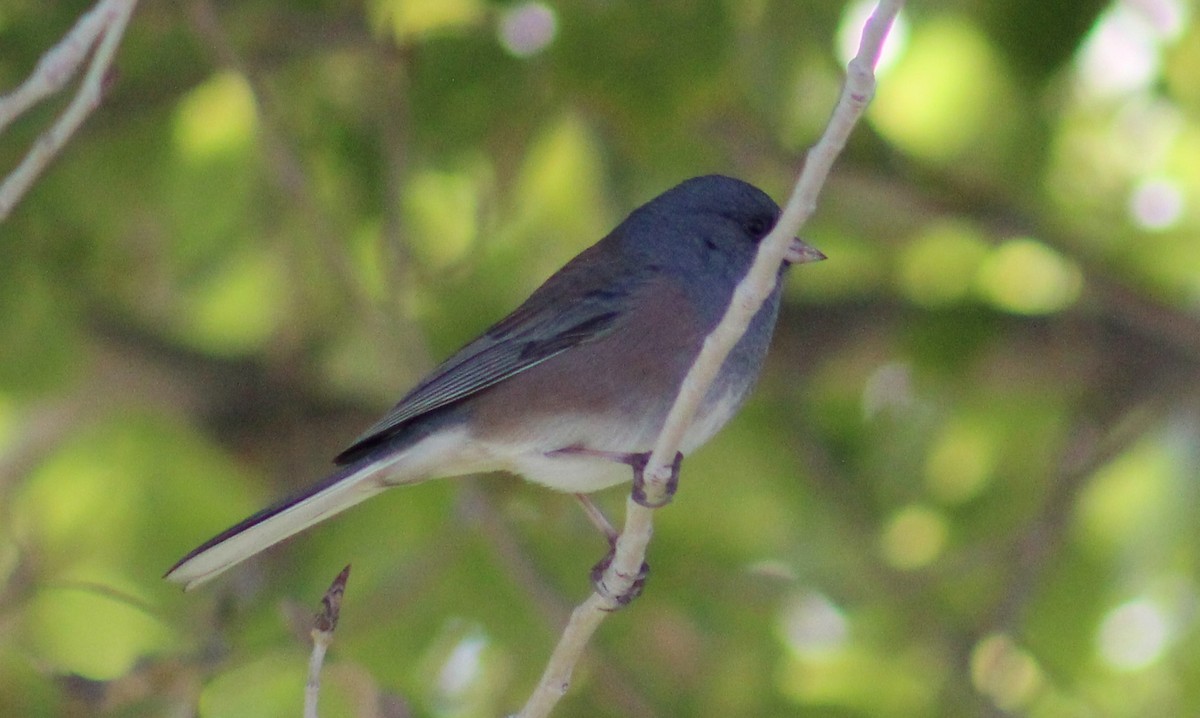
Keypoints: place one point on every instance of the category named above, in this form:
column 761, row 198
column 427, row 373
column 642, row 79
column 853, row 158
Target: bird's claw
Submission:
column 638, row 493
column 621, row 599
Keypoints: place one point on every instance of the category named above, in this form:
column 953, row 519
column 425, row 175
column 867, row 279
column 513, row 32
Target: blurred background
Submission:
column 966, row 484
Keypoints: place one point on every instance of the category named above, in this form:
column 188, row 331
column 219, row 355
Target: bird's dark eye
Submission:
column 758, row 227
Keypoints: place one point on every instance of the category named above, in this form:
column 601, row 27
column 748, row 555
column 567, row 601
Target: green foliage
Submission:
column 965, row 485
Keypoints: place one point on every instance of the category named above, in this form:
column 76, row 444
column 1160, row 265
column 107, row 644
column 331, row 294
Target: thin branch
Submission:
column 106, row 23
column 750, row 294
column 57, row 65
column 322, row 635
column 585, row 619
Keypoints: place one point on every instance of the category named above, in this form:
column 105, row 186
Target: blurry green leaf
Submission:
column 215, row 118
column 88, row 633
column 914, row 537
column 962, row 461
column 939, row 267
column 1126, row 500
column 1006, row 673
column 442, row 210
column 559, row 195
column 409, row 19
column 124, row 498
column 238, row 306
column 1027, row 277
column 866, row 680
column 273, row 683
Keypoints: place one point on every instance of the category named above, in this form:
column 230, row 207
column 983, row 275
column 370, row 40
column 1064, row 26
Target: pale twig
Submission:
column 752, row 291
column 585, row 619
column 55, row 67
column 322, row 635
column 105, row 24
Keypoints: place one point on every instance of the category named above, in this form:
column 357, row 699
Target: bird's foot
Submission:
column 638, row 462
column 622, row 598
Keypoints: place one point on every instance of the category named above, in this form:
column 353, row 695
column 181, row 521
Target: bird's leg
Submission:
column 597, row 517
column 638, row 462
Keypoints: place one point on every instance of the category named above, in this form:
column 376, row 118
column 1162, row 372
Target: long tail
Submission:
column 337, row 492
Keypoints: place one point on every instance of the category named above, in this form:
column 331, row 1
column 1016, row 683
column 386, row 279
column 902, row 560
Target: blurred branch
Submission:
column 630, row 550
column 101, row 28
column 1035, row 546
column 1161, row 384
column 286, row 167
column 478, row 512
column 907, row 197
column 291, row 177
column 617, row 688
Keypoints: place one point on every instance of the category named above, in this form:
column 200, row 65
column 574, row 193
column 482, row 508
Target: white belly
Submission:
column 534, row 456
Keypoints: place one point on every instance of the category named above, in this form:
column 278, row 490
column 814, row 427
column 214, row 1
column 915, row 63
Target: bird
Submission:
column 575, row 384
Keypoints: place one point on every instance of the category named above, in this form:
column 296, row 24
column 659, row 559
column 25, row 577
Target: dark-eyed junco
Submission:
column 573, row 385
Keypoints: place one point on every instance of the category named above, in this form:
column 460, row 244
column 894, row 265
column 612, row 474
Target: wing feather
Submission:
column 539, row 329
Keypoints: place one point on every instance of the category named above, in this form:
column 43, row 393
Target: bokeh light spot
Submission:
column 914, row 537
column 560, row 193
column 236, row 308
column 854, row 18
column 408, row 19
column 1124, row 497
column 1167, row 17
column 945, row 95
column 812, row 626
column 1156, row 204
column 442, row 211
column 1120, row 55
column 939, row 267
column 960, row 464
column 217, row 117
column 463, row 666
column 1133, row 635
column 1003, row 671
column 528, row 28
column 888, row 388
column 1024, row 276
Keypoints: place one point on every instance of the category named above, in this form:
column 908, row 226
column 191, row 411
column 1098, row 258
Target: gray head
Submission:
column 704, row 232
column 711, row 225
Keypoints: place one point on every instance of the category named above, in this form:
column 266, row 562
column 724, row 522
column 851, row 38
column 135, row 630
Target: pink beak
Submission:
column 799, row 252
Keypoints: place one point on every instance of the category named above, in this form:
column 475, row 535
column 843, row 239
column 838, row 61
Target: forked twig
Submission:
column 100, row 28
